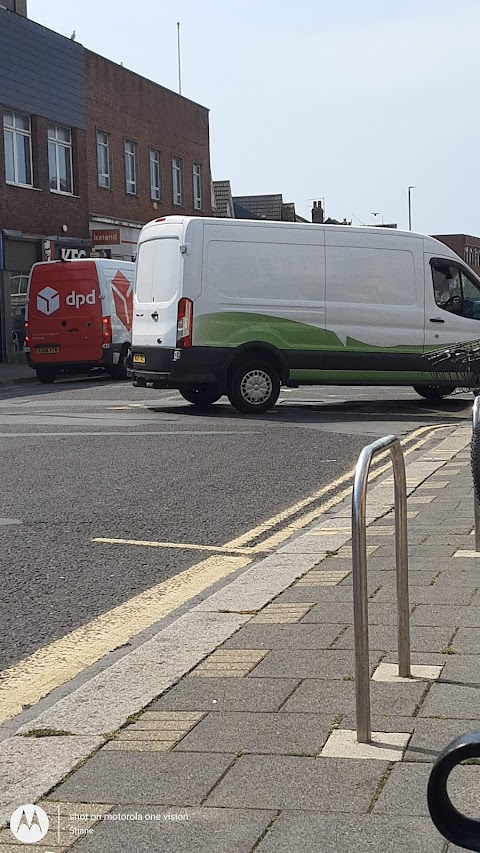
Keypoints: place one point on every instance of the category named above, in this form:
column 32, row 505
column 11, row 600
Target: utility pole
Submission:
column 179, row 65
column 410, row 207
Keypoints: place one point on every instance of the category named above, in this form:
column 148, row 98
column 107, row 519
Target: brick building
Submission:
column 90, row 151
column 466, row 246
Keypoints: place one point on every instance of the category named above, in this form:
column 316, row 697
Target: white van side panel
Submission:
column 261, row 284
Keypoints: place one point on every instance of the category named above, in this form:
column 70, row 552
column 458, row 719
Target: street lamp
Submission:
column 410, row 207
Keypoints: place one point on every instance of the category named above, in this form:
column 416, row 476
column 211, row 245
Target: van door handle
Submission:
column 436, row 320
column 155, row 316
column 138, row 315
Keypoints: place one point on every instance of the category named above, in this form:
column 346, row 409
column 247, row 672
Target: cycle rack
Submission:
column 476, row 505
column 359, row 561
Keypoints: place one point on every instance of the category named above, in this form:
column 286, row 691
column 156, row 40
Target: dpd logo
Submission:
column 29, row 824
column 48, row 300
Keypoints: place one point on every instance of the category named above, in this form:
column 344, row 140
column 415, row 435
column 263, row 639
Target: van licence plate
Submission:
column 138, row 358
column 48, row 349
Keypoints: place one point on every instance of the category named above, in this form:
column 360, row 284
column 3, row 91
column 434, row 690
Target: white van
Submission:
column 242, row 307
column 79, row 316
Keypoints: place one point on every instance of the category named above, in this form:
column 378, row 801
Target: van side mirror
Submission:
column 453, row 825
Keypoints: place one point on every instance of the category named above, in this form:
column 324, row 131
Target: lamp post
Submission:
column 410, row 207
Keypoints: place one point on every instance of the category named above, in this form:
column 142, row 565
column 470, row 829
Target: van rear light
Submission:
column 107, row 331
column 184, row 323
column 26, row 338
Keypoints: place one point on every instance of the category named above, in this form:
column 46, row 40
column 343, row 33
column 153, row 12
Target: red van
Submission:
column 79, row 316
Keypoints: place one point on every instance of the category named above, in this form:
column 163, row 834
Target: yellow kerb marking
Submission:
column 184, row 546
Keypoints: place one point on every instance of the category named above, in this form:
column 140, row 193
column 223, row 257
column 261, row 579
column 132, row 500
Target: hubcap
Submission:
column 256, row 387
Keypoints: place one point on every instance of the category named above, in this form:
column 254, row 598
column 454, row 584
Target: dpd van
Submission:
column 79, row 316
column 241, row 307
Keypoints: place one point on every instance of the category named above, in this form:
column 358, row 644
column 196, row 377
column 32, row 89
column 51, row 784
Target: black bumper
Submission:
column 170, row 368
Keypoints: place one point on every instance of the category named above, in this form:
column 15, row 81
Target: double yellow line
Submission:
column 30, row 680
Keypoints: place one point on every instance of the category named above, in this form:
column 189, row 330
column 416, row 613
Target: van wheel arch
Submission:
column 264, row 353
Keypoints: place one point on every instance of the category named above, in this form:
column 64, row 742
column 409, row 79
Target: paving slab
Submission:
column 431, row 594
column 181, row 830
column 431, row 736
column 276, row 733
column 282, row 782
column 451, row 700
column 338, row 698
column 405, row 791
column 155, row 778
column 446, row 614
column 227, row 694
column 467, row 641
column 315, row 832
column 304, row 663
column 284, row 637
column 378, row 614
column 463, row 669
column 384, row 637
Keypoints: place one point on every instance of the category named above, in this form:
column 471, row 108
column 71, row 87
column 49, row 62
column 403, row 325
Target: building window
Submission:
column 17, row 134
column 155, row 182
column 130, row 167
column 60, row 170
column 197, row 186
column 177, row 175
column 103, row 160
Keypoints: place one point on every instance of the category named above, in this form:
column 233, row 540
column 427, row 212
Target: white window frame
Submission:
column 54, row 140
column 130, row 161
column 26, row 134
column 104, row 145
column 177, row 180
column 155, row 185
column 197, row 186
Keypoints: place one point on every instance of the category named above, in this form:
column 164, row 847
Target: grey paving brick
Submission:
column 335, row 594
column 282, row 734
column 431, row 736
column 338, row 697
column 464, row 669
column 283, row 782
column 139, row 777
column 430, row 594
column 405, row 791
column 454, row 701
column 460, row 578
column 378, row 614
column 226, row 694
column 385, row 637
column 302, row 663
column 284, row 637
column 201, row 830
column 467, row 641
column 446, row 614
column 387, row 579
column 312, row 832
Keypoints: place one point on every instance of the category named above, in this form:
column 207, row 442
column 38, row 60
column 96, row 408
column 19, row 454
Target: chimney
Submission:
column 18, row 6
column 317, row 212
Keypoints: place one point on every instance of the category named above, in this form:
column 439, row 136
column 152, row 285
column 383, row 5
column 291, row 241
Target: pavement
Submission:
column 15, row 374
column 231, row 728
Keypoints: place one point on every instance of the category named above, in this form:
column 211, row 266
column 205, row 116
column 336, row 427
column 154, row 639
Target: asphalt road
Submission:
column 95, row 458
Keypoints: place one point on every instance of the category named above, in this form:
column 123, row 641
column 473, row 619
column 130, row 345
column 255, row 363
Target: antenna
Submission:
column 179, row 64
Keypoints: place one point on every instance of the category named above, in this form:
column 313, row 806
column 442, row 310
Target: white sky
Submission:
column 337, row 99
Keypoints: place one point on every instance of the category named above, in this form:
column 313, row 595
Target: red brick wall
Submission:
column 39, row 211
column 125, row 105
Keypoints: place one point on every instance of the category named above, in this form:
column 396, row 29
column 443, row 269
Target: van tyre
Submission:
column 253, row 387
column 119, row 371
column 202, row 396
column 46, row 375
column 434, row 392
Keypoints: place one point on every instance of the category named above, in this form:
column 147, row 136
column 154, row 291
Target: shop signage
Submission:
column 106, row 236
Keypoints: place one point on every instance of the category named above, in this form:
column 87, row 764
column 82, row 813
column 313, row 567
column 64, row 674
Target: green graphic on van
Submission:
column 234, row 328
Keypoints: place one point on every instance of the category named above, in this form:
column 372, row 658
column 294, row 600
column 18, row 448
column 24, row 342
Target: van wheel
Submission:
column 46, row 375
column 119, row 371
column 434, row 392
column 253, row 387
column 201, row 396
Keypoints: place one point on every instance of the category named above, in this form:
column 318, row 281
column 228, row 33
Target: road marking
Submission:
column 32, row 679
column 222, row 549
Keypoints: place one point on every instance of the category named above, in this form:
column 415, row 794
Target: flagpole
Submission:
column 179, row 66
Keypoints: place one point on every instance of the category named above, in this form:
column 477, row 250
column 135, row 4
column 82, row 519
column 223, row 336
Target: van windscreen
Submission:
column 158, row 268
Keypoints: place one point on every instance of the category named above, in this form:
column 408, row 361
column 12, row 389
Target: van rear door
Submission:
column 157, row 291
column 65, row 313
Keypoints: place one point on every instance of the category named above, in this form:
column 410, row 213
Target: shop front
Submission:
column 113, row 238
